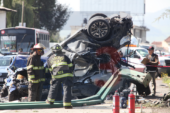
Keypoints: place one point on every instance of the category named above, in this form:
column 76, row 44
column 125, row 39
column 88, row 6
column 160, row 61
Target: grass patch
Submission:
column 148, row 104
column 166, row 80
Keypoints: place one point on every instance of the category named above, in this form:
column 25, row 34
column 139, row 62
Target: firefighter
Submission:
column 61, row 71
column 35, row 70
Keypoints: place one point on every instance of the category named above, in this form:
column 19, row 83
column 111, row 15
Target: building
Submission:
column 163, row 46
column 3, row 11
column 140, row 33
column 168, row 40
column 136, row 8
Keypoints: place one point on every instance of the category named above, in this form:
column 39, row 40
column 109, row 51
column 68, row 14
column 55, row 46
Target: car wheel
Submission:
column 98, row 28
column 14, row 95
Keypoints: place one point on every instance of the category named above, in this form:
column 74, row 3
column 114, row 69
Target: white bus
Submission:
column 13, row 39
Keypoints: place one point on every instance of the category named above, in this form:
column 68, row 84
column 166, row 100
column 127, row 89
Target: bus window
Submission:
column 47, row 37
column 8, row 43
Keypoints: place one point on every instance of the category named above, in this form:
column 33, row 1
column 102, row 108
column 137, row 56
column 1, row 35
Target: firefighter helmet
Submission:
column 19, row 77
column 38, row 46
column 56, row 48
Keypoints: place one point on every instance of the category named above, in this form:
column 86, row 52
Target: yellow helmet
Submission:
column 19, row 77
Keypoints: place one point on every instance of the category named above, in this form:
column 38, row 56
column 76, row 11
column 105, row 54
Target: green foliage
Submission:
column 38, row 14
column 164, row 15
column 13, row 18
column 50, row 15
column 55, row 38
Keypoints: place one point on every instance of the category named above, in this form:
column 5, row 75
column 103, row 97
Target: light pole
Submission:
column 22, row 17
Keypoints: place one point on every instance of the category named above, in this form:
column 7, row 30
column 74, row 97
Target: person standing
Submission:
column 61, row 70
column 152, row 67
column 34, row 71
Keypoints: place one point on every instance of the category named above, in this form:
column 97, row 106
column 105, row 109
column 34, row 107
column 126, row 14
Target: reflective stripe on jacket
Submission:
column 59, row 65
column 35, row 68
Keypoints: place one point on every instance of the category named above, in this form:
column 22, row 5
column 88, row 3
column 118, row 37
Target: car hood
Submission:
column 163, row 58
column 3, row 69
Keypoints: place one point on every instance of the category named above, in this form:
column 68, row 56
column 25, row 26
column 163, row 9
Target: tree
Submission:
column 51, row 15
column 165, row 14
column 38, row 13
column 13, row 19
column 56, row 38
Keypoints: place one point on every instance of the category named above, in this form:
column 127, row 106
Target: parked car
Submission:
column 17, row 88
column 165, row 62
column 136, row 54
column 5, row 62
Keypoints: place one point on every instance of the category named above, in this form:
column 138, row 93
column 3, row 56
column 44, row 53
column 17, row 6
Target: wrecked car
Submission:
column 5, row 62
column 16, row 82
column 93, row 50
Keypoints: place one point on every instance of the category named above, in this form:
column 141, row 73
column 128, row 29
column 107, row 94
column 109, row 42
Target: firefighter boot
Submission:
column 68, row 107
column 48, row 102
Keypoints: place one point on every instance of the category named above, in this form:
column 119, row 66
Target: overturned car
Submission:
column 93, row 50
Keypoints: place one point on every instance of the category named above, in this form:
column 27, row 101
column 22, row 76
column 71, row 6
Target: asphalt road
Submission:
column 102, row 108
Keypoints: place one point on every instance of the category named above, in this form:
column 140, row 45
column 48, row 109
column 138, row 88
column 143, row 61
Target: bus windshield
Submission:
column 10, row 44
column 16, row 40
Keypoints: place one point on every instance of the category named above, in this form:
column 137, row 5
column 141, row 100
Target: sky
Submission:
column 159, row 30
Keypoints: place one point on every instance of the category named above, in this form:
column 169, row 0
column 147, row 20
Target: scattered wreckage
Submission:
column 93, row 50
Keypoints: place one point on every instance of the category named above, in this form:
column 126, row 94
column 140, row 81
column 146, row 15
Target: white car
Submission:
column 5, row 61
column 136, row 54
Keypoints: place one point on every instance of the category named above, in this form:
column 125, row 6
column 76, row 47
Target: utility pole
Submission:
column 22, row 17
column 2, row 3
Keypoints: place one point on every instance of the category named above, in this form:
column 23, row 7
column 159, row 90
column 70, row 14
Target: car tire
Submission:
column 98, row 14
column 14, row 95
column 98, row 28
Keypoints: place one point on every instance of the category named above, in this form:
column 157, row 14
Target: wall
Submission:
column 2, row 19
column 165, row 46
